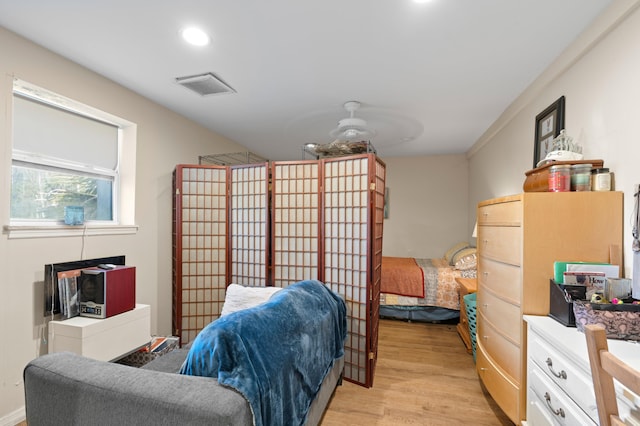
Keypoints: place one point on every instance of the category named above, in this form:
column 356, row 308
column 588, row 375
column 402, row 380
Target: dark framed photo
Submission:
column 549, row 123
column 386, row 202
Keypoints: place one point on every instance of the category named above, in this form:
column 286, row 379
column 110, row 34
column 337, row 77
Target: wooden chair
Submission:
column 604, row 368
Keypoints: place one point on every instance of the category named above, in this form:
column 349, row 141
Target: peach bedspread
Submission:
column 402, row 276
column 439, row 283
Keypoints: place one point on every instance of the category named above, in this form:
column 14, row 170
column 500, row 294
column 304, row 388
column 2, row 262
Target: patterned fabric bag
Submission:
column 620, row 321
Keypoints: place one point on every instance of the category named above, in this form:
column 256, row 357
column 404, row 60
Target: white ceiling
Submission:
column 431, row 77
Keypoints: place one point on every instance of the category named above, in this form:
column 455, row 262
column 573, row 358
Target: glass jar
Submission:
column 560, row 178
column 600, row 179
column 581, row 177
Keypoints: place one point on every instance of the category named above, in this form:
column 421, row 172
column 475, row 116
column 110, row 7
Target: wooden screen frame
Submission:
column 261, row 270
column 378, row 172
column 204, row 294
column 303, row 205
column 363, row 300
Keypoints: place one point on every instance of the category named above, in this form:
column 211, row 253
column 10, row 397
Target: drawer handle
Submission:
column 559, row 411
column 561, row 375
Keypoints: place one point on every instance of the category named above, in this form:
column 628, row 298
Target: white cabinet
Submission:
column 559, row 384
column 103, row 339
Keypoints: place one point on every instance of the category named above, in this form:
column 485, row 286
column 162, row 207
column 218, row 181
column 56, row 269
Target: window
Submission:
column 66, row 154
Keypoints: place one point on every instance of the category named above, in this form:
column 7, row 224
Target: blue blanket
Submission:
column 275, row 354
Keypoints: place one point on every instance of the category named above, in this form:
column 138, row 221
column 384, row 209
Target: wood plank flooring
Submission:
column 424, row 376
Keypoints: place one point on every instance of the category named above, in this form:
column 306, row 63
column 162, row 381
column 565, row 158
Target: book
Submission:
column 610, row 271
column 69, row 293
column 559, row 268
column 586, row 278
column 594, row 282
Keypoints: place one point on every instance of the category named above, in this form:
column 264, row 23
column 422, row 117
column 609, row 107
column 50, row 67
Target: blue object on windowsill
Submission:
column 73, row 215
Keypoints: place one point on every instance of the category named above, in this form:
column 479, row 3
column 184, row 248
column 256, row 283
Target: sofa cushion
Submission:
column 169, row 362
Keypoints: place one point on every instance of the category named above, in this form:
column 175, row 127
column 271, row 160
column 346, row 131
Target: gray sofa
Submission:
column 68, row 389
column 247, row 352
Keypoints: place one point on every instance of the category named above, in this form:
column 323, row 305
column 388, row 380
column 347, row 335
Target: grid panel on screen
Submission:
column 200, row 248
column 376, row 273
column 346, row 252
column 295, row 222
column 249, row 204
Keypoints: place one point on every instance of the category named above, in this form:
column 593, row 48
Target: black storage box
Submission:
column 561, row 298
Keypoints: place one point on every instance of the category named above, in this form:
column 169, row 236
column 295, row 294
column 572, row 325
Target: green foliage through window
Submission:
column 42, row 193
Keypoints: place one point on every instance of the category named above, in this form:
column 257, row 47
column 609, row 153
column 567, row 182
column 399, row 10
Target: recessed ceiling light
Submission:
column 195, row 36
column 421, row 1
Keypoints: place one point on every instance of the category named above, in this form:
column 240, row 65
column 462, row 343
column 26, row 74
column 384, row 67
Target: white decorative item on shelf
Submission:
column 562, row 149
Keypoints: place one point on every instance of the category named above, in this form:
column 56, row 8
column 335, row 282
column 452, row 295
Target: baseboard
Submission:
column 14, row 418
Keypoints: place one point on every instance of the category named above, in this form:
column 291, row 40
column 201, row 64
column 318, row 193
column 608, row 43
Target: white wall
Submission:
column 428, row 205
column 433, row 199
column 600, row 77
column 164, row 140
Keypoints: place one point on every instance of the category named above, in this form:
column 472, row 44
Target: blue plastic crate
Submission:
column 470, row 301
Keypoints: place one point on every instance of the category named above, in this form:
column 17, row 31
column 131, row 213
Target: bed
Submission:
column 415, row 289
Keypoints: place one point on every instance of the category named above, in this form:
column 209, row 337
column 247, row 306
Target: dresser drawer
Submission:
column 502, row 279
column 501, row 214
column 575, row 383
column 503, row 390
column 537, row 412
column 503, row 352
column 501, row 243
column 504, row 316
column 558, row 405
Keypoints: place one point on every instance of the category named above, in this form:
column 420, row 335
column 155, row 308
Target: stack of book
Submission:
column 69, row 294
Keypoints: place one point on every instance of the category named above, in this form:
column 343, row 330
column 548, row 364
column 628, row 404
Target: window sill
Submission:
column 55, row 231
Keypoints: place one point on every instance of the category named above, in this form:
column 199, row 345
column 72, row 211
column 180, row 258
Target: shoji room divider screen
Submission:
column 276, row 224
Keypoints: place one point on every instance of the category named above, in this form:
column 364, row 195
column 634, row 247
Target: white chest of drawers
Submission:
column 559, row 385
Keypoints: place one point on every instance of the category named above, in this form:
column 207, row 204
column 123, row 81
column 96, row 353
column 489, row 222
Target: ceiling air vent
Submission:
column 205, row 84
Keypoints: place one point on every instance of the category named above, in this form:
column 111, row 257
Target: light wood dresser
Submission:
column 519, row 238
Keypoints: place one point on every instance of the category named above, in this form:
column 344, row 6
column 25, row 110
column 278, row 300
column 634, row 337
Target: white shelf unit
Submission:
column 105, row 339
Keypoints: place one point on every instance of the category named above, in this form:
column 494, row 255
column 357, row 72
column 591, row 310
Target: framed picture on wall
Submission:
column 386, row 202
column 549, row 123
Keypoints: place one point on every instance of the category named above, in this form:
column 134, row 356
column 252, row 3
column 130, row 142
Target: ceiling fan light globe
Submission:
column 353, row 135
column 352, row 122
column 350, row 133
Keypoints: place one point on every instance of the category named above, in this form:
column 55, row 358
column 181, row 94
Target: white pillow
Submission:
column 240, row 297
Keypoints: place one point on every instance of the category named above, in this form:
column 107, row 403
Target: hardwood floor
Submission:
column 424, row 376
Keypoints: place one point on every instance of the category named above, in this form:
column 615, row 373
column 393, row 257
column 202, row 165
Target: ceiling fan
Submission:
column 352, row 128
column 353, row 135
column 350, row 137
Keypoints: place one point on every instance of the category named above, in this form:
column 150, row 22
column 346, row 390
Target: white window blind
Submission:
column 40, row 129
